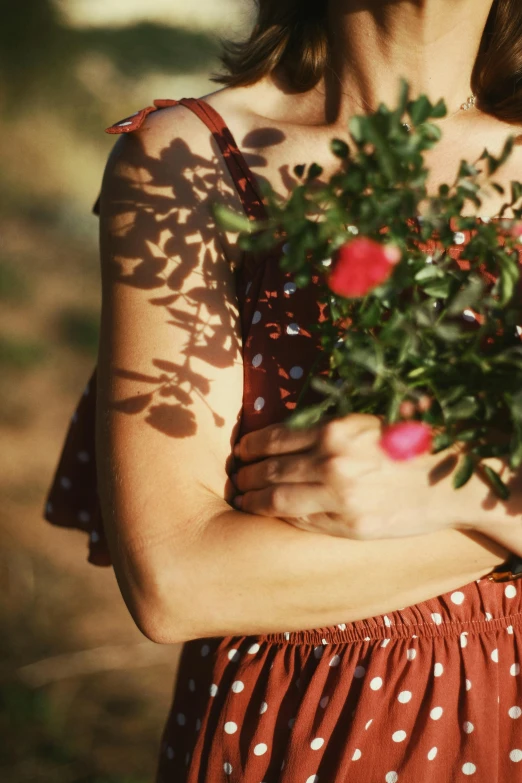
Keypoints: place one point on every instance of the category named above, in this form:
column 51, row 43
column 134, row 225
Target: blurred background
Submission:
column 83, row 695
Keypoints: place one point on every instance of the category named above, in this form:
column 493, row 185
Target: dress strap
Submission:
column 242, row 176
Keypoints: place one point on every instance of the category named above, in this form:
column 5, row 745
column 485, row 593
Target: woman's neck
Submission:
column 433, row 44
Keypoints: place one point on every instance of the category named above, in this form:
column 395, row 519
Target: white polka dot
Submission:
column 205, row 650
column 436, row 617
column 387, row 621
column 214, row 689
column 399, row 736
column 260, row 749
column 324, row 701
column 494, row 656
column 292, row 329
column 359, row 672
column 192, row 685
column 404, row 697
column 122, row 124
column 83, row 456
column 65, row 482
column 342, row 626
column 391, row 777
column 459, row 237
column 248, row 286
column 457, row 597
column 468, row 727
column 290, row 288
column 49, row 508
column 84, row 517
column 514, row 669
column 356, row 755
column 318, row 651
column 376, row 683
column 228, row 768
column 259, row 404
column 510, row 591
column 335, row 661
column 410, row 654
column 95, row 537
column 256, row 361
column 230, row 727
column 369, row 724
column 468, row 315
column 198, row 724
column 263, row 708
column 256, row 317
column 170, row 753
column 313, row 779
column 514, row 712
column 317, row 743
column 436, row 712
column 438, row 670
column 469, row 768
column 516, row 755
column 233, row 655
column 432, row 753
column 296, row 372
column 238, row 686
column 464, row 639
column 181, row 719
column 385, row 642
column 488, row 616
column 253, row 649
column 468, row 685
column 509, row 629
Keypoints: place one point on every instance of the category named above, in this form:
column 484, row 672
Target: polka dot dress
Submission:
column 430, row 693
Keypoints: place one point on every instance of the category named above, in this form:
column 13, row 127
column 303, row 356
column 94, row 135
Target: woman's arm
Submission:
column 170, row 386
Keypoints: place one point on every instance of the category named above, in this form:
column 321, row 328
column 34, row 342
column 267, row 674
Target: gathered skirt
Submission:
column 431, row 693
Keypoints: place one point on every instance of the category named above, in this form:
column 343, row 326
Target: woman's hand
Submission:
column 334, row 478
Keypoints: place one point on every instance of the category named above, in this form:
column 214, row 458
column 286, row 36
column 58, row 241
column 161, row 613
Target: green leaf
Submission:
column 340, row 148
column 299, row 170
column 464, row 472
column 465, row 408
column 420, row 110
column 309, row 416
column 449, row 332
column 441, row 441
column 438, row 288
column 429, row 272
column 498, row 486
column 314, row 171
column 467, row 297
column 229, row 220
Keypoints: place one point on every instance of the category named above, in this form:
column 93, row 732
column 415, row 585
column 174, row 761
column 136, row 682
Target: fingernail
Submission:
column 238, row 500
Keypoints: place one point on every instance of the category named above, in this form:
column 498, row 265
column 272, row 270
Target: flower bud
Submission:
column 407, row 409
column 406, row 439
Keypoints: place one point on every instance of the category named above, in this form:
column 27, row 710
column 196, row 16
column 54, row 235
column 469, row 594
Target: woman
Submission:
column 408, row 665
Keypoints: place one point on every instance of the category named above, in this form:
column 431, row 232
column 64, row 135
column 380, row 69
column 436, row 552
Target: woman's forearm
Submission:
column 250, row 574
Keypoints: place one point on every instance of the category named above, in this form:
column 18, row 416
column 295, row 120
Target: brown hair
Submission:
column 292, row 35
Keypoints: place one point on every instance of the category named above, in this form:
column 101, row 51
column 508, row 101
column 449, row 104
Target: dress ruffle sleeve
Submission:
column 72, row 499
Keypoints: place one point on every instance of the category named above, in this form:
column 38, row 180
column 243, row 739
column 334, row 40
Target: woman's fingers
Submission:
column 275, row 439
column 290, row 500
column 287, row 469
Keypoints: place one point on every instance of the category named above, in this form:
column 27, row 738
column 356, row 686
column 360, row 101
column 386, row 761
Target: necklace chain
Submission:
column 468, row 104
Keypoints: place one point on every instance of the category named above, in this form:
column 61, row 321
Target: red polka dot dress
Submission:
column 430, row 693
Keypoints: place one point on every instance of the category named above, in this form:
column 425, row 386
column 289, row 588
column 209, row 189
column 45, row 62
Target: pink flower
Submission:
column 406, row 439
column 360, row 265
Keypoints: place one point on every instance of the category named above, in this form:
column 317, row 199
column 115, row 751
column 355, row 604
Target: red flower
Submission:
column 406, row 439
column 360, row 265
